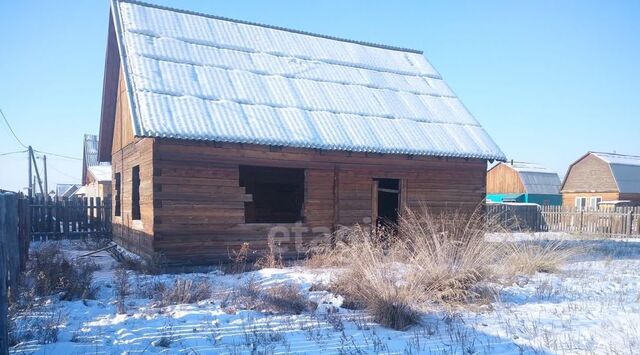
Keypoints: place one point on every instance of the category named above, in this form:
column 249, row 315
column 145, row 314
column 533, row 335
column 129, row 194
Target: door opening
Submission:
column 388, row 202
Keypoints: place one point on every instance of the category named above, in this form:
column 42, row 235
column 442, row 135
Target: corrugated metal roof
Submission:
column 101, row 171
column 537, row 179
column 195, row 76
column 91, row 149
column 625, row 170
column 541, row 183
column 65, row 190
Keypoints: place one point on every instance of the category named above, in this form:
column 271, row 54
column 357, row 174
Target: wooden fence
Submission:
column 14, row 248
column 622, row 221
column 522, row 217
column 70, row 219
column 618, row 222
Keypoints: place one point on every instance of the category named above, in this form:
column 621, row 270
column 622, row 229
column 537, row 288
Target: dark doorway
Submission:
column 388, row 202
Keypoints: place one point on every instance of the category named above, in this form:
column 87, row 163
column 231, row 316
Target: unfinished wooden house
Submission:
column 598, row 178
column 96, row 176
column 223, row 132
column 523, row 182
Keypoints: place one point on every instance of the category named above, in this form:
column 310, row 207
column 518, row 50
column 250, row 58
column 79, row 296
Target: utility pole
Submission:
column 30, row 189
column 33, row 158
column 46, row 185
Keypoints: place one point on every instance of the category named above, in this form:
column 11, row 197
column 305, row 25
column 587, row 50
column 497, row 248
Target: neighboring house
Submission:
column 222, row 132
column 96, row 176
column 602, row 177
column 523, row 182
column 65, row 191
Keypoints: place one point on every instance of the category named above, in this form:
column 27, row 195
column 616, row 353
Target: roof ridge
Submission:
column 617, row 154
column 189, row 12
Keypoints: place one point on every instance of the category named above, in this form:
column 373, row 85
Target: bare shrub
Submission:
column 50, row 271
column 239, row 259
column 154, row 266
column 273, row 256
column 527, row 258
column 285, row 298
column 150, row 289
column 40, row 325
column 122, row 289
column 184, row 291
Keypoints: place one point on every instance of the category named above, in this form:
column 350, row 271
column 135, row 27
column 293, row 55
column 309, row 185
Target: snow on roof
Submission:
column 625, row 170
column 101, row 172
column 65, row 190
column 81, row 191
column 201, row 77
column 525, row 167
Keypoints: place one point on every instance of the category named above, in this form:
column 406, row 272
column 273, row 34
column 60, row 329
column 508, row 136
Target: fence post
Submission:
column 9, row 260
column 4, row 301
column 581, row 219
column 630, row 222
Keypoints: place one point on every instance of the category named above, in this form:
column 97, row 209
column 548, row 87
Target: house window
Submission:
column 581, row 203
column 277, row 194
column 135, row 192
column 593, row 203
column 116, row 195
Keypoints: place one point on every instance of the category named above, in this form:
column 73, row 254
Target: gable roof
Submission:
column 201, row 77
column 101, row 171
column 536, row 178
column 90, row 151
column 65, row 190
column 625, row 170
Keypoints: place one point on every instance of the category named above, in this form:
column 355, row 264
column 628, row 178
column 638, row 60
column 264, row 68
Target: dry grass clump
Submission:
column 449, row 252
column 285, row 298
column 155, row 266
column 530, row 258
column 50, row 271
column 428, row 260
column 184, row 291
column 122, row 289
column 272, row 258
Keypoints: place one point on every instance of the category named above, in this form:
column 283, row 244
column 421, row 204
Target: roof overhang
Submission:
column 109, row 94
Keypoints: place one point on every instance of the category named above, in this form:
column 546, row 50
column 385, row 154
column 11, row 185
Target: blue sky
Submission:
column 549, row 80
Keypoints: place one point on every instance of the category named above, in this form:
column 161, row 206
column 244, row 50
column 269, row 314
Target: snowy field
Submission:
column 591, row 307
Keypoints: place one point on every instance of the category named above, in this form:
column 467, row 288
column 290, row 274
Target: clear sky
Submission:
column 549, row 80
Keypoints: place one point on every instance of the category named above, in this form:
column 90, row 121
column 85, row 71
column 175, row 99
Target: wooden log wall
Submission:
column 502, row 179
column 198, row 203
column 134, row 235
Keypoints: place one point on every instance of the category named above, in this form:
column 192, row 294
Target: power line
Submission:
column 75, row 178
column 57, row 155
column 9, row 153
column 25, row 146
column 11, row 129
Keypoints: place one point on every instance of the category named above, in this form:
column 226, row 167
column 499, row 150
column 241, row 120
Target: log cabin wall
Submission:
column 127, row 152
column 502, row 179
column 199, row 203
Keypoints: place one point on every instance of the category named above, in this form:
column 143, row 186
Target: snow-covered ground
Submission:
column 592, row 306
